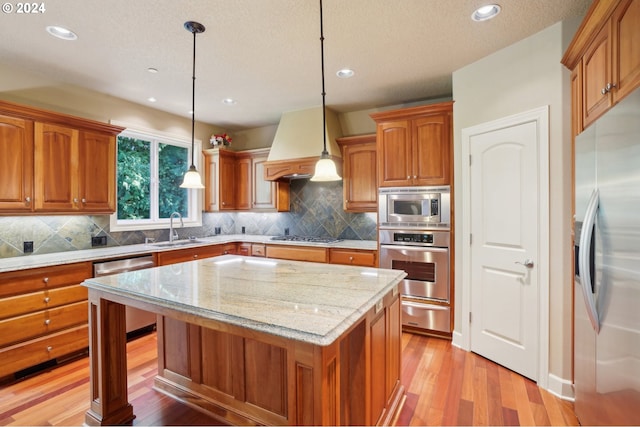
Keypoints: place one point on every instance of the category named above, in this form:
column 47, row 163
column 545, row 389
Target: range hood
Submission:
column 297, row 144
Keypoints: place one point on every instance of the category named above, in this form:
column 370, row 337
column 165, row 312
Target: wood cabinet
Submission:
column 414, row 145
column 297, row 253
column 43, row 315
column 385, row 348
column 364, row 258
column 16, row 164
column 604, row 58
column 193, row 253
column 359, row 178
column 235, row 181
column 62, row 164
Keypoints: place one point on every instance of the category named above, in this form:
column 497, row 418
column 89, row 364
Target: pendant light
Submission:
column 192, row 177
column 325, row 167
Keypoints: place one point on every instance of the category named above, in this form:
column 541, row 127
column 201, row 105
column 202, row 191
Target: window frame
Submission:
column 194, row 196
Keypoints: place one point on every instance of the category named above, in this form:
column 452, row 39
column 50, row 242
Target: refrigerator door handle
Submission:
column 583, row 259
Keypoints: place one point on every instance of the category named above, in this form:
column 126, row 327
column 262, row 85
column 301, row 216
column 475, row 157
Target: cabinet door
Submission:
column 227, row 182
column 243, row 184
column 431, row 150
column 16, row 164
column 96, row 177
column 56, row 167
column 626, row 51
column 359, row 178
column 378, row 373
column 394, row 150
column 394, row 347
column 263, row 192
column 596, row 72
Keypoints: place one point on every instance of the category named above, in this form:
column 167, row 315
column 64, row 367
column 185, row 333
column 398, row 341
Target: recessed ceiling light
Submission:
column 345, row 73
column 61, row 32
column 229, row 101
column 486, row 12
column 152, row 70
column 151, row 99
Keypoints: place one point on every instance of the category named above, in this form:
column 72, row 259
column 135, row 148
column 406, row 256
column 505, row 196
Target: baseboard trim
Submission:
column 561, row 388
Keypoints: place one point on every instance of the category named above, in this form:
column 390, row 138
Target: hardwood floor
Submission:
column 445, row 386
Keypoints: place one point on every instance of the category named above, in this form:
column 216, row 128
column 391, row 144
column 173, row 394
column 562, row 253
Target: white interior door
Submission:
column 504, row 225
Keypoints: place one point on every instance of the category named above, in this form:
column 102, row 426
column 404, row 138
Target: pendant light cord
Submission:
column 193, row 103
column 325, row 153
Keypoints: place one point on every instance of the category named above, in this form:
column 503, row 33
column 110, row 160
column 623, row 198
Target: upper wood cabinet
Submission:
column 359, row 163
column 16, row 164
column 604, row 58
column 74, row 170
column 220, row 180
column 414, row 145
column 235, row 181
column 56, row 163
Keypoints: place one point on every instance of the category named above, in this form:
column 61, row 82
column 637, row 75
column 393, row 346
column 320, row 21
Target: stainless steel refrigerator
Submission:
column 607, row 282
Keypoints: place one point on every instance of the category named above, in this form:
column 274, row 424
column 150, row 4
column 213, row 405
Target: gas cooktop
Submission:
column 310, row 239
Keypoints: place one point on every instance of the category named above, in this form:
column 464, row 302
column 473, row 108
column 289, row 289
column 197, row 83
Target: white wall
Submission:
column 521, row 77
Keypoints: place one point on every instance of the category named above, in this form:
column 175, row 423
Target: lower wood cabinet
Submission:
column 43, row 315
column 297, row 253
column 363, row 258
column 193, row 253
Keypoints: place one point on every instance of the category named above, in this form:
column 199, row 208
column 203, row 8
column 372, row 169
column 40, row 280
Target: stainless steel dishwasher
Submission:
column 138, row 320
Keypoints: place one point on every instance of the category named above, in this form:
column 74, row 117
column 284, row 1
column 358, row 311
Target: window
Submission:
column 150, row 169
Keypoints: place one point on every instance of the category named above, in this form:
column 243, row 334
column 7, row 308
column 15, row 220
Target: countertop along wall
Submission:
column 521, row 77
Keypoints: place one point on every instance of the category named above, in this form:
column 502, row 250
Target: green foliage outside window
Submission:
column 134, row 179
column 172, row 164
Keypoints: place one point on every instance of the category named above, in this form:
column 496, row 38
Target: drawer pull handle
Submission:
column 47, row 322
column 350, row 258
column 45, row 280
column 49, row 349
column 46, row 300
column 195, row 256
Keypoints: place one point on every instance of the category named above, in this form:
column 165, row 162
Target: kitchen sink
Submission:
column 176, row 243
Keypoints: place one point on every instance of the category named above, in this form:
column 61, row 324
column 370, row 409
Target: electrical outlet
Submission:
column 27, row 247
column 243, row 229
column 218, row 230
column 98, row 241
column 286, row 231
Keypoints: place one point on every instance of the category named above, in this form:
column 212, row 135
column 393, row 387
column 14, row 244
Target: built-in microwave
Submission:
column 414, row 206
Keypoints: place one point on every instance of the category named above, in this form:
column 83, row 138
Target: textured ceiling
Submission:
column 266, row 53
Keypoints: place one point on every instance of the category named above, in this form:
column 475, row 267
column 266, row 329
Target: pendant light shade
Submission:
column 326, row 167
column 192, row 178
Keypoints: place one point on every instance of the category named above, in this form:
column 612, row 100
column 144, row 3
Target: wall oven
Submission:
column 424, row 256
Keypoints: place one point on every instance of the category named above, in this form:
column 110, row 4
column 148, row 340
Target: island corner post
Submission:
column 244, row 376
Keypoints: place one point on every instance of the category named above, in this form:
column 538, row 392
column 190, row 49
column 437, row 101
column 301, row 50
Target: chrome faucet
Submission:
column 172, row 233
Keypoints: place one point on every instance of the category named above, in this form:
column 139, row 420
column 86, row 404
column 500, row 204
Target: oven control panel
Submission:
column 425, row 238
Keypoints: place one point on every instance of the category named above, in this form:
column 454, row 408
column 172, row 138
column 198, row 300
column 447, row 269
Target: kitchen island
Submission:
column 255, row 341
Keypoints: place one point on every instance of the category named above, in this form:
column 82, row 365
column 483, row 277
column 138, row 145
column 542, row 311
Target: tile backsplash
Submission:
column 316, row 210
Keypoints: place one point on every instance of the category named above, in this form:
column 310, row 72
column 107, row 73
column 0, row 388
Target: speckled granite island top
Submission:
column 304, row 301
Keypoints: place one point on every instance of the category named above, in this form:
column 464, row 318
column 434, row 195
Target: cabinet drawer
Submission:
column 24, row 281
column 297, row 253
column 351, row 257
column 42, row 322
column 42, row 349
column 21, row 304
column 258, row 250
column 189, row 254
column 426, row 316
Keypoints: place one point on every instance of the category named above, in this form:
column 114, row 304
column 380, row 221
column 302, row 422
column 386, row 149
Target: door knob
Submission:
column 527, row 263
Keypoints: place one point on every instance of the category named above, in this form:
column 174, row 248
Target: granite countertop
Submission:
column 304, row 301
column 98, row 254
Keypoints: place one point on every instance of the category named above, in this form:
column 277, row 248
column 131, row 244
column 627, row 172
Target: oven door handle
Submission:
column 415, row 248
column 424, row 305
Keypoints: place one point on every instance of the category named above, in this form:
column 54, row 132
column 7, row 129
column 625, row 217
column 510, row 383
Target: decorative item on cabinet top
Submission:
column 220, row 140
